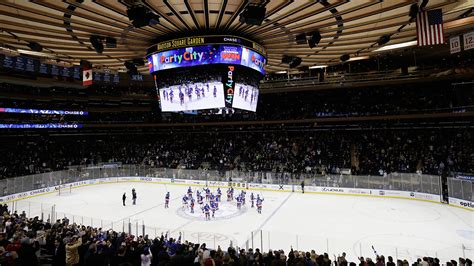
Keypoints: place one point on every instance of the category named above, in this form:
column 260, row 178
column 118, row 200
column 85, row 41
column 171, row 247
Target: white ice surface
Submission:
column 326, row 223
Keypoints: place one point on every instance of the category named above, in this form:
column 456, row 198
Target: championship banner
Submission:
column 455, row 44
column 468, row 40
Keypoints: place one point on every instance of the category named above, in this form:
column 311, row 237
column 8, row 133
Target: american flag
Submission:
column 429, row 27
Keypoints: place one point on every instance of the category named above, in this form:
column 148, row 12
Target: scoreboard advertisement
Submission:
column 207, row 55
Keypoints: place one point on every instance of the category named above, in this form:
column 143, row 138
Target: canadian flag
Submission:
column 86, row 76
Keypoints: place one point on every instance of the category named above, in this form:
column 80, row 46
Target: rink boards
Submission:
column 467, row 205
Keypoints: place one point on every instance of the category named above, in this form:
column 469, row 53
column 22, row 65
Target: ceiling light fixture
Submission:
column 396, row 46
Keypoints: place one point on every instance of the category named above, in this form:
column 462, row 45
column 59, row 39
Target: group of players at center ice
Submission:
column 209, row 203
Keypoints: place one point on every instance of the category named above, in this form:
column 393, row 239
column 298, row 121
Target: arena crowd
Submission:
column 31, row 241
column 372, row 152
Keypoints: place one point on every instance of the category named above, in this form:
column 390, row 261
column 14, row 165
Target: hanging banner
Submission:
column 455, row 44
column 469, row 40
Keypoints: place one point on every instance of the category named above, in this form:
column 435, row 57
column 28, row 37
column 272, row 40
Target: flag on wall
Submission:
column 429, row 27
column 86, row 76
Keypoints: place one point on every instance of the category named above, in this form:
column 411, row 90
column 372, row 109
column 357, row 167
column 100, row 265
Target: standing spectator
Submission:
column 390, row 261
column 72, row 253
column 59, row 253
column 146, row 257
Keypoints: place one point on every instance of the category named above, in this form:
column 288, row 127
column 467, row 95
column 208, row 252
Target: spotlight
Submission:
column 138, row 61
column 86, row 64
column 295, row 62
column 34, row 46
column 96, row 42
column 141, row 16
column 253, row 15
column 383, row 40
column 345, row 57
column 413, row 11
column 315, row 39
column 132, row 69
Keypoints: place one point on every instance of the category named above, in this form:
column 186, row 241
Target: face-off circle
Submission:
column 227, row 210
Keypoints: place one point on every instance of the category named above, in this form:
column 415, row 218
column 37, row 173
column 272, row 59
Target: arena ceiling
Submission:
column 63, row 27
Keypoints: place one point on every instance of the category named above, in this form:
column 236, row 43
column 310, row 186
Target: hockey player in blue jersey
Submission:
column 239, row 202
column 213, row 208
column 189, row 91
column 167, row 200
column 185, row 202
column 181, row 97
column 198, row 92
column 218, row 199
column 219, row 193
column 214, row 92
column 252, row 198
column 206, row 210
column 202, row 92
column 171, row 95
column 200, row 199
column 259, row 204
column 192, row 205
column 208, row 193
column 212, row 199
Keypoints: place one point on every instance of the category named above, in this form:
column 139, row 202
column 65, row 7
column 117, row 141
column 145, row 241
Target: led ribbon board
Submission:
column 207, row 50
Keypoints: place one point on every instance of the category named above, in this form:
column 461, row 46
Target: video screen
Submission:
column 195, row 88
column 206, row 55
column 245, row 97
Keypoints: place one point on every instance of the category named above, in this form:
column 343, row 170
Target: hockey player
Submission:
column 252, row 198
column 124, row 197
column 239, row 202
column 219, row 193
column 208, row 193
column 185, row 202
column 218, row 199
column 181, row 97
column 259, row 204
column 167, row 200
column 213, row 208
column 242, row 194
column 206, row 210
column 134, row 196
column 192, row 205
column 214, row 93
column 229, row 195
column 190, row 192
column 200, row 198
column 171, row 95
column 198, row 92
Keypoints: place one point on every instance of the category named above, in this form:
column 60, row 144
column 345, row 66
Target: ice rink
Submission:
column 326, row 223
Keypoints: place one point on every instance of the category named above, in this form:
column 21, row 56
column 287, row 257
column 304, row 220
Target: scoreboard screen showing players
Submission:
column 192, row 96
column 207, row 72
column 193, row 88
column 245, row 97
